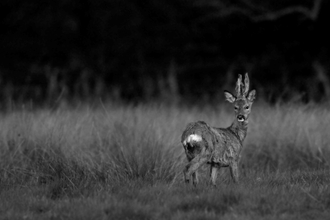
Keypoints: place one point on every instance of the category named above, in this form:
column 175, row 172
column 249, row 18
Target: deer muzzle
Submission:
column 240, row 118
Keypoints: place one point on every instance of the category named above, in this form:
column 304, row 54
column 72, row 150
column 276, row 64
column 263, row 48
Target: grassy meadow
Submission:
column 116, row 161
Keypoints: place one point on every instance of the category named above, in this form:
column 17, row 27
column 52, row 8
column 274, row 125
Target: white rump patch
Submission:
column 192, row 138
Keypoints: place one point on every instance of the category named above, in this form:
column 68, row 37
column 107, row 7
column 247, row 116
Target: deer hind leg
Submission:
column 191, row 168
column 195, row 178
column 234, row 171
column 213, row 174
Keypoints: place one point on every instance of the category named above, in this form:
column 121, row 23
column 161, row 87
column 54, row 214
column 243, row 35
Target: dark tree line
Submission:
column 169, row 49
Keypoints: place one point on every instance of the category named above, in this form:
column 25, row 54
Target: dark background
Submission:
column 172, row 50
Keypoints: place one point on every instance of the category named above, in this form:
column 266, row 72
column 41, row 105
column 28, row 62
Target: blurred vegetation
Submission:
column 168, row 49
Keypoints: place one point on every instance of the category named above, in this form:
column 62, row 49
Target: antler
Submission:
column 242, row 89
column 238, row 88
column 246, row 84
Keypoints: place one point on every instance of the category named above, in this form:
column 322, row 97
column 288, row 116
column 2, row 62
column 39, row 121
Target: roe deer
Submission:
column 219, row 147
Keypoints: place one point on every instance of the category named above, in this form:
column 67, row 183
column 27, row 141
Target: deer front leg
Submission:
column 213, row 175
column 192, row 167
column 234, row 171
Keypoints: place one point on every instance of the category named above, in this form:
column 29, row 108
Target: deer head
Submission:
column 243, row 100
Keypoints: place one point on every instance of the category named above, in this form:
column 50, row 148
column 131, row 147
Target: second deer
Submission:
column 219, row 147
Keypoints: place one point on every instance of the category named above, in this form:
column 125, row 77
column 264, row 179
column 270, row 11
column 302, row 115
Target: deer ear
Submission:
column 252, row 95
column 229, row 97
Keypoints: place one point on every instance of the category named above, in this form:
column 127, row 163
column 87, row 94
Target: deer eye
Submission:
column 246, row 107
column 236, row 107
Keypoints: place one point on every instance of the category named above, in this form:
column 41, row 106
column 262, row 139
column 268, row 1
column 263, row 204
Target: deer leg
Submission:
column 192, row 167
column 213, row 174
column 195, row 178
column 234, row 171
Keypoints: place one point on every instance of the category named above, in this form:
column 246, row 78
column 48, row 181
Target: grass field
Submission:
column 125, row 162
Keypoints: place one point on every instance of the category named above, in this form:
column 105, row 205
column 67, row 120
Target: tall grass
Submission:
column 72, row 152
column 288, row 137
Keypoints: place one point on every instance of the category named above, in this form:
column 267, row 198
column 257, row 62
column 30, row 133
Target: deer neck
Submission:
column 239, row 129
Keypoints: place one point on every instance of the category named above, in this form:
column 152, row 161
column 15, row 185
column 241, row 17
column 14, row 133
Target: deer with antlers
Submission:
column 219, row 147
